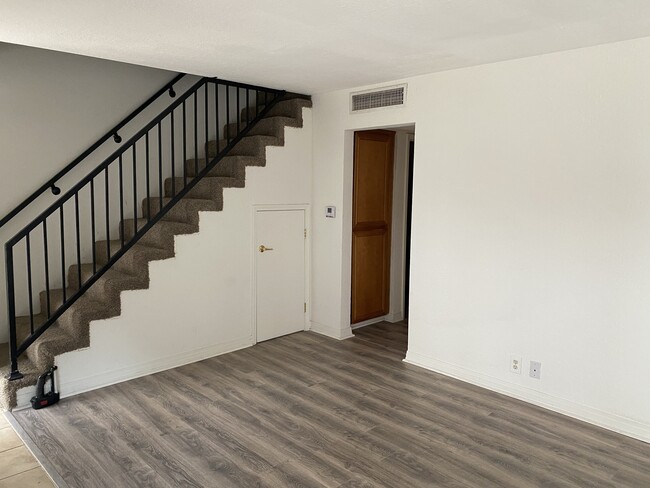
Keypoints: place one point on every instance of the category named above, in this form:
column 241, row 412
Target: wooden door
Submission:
column 279, row 272
column 371, row 223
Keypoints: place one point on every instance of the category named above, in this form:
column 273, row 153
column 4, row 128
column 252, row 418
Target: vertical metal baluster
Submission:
column 257, row 103
column 184, row 145
column 92, row 223
column 11, row 312
column 207, row 132
column 47, row 268
column 29, row 283
column 135, row 185
column 216, row 110
column 76, row 216
column 122, row 201
column 108, row 220
column 196, row 138
column 146, row 141
column 63, row 273
column 173, row 157
column 238, row 111
column 248, row 104
column 160, row 167
column 227, row 114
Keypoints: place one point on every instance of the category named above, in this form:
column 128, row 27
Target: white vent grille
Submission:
column 386, row 97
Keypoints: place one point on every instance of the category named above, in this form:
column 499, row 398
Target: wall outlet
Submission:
column 515, row 364
column 535, row 370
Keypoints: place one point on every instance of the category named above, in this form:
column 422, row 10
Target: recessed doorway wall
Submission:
column 379, row 229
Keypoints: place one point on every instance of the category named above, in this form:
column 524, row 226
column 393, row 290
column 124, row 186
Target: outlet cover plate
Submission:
column 515, row 364
column 535, row 369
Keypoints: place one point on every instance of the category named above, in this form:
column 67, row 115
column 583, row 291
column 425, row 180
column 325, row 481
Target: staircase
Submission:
column 92, row 289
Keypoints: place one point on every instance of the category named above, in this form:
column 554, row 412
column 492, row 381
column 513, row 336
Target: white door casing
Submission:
column 280, row 266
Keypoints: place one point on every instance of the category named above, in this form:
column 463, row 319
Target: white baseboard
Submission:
column 394, row 317
column 75, row 387
column 333, row 332
column 391, row 317
column 610, row 421
column 368, row 322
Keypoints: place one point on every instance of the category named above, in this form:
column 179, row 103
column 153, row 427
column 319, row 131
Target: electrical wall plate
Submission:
column 330, row 212
column 515, row 363
column 535, row 370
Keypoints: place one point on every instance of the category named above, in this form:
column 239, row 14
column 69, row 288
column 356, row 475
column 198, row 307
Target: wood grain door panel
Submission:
column 370, row 301
column 373, row 180
column 371, row 224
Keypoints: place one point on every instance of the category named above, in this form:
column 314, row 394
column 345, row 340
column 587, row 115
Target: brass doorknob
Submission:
column 264, row 248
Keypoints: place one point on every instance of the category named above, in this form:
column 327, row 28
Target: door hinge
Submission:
column 305, row 307
column 305, row 233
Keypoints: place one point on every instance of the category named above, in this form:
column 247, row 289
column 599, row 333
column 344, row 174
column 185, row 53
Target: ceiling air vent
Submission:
column 385, row 97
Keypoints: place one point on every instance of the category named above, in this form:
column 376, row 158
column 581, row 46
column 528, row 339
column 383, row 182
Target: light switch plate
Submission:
column 330, row 212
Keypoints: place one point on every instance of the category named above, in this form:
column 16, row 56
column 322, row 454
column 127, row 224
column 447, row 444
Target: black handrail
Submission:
column 114, row 133
column 264, row 99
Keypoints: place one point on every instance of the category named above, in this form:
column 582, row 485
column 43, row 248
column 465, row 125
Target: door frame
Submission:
column 406, row 299
column 307, row 242
column 346, row 230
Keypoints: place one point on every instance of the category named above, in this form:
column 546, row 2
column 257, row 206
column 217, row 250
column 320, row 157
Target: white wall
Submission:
column 52, row 107
column 198, row 304
column 531, row 231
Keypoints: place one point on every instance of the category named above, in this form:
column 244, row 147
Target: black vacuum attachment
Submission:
column 42, row 399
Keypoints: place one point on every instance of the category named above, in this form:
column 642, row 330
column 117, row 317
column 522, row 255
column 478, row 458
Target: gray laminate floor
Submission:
column 304, row 410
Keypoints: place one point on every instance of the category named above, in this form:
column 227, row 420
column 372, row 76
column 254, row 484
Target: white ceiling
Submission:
column 313, row 46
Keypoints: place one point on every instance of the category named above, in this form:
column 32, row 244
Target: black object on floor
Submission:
column 42, row 399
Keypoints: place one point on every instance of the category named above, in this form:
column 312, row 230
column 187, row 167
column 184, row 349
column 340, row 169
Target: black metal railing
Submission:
column 98, row 206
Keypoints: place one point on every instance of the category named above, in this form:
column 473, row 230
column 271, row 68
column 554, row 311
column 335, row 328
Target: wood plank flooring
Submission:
column 308, row 411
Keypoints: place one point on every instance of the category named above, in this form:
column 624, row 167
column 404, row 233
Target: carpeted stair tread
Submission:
column 290, row 106
column 247, row 146
column 268, row 126
column 56, row 298
column 228, row 165
column 87, row 271
column 111, row 283
column 249, row 114
column 8, row 389
column 23, row 325
column 186, row 211
column 54, row 341
column 208, row 187
column 39, row 356
column 139, row 253
column 77, row 317
column 161, row 234
column 71, row 330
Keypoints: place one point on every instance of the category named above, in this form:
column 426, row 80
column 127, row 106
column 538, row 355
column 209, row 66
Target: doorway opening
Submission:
column 381, row 211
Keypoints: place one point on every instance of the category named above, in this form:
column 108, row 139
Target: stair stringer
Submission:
column 199, row 302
